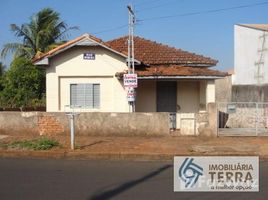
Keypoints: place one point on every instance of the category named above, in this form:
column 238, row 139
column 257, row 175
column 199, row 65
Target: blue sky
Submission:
column 209, row 34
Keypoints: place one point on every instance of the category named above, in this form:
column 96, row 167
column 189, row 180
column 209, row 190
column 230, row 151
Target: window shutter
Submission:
column 88, row 95
column 73, row 95
column 80, row 95
column 85, row 95
column 96, row 95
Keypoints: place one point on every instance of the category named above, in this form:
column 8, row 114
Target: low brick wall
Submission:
column 123, row 124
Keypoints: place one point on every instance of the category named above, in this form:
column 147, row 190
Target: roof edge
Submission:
column 71, row 43
column 248, row 26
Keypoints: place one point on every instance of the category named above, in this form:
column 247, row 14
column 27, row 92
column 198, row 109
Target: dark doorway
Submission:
column 166, row 96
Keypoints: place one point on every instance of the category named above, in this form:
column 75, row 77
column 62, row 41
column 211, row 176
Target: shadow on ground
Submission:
column 92, row 144
column 127, row 185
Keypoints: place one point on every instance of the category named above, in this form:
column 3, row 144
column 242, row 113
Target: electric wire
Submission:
column 145, row 3
column 157, row 6
column 184, row 15
column 111, row 29
column 204, row 12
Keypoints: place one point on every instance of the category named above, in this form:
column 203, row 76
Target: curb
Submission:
column 76, row 155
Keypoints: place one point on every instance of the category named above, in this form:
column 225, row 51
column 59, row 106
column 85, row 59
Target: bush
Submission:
column 22, row 84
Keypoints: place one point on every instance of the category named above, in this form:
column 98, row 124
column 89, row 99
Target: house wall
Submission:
column 202, row 95
column 247, row 46
column 70, row 67
column 223, row 88
column 146, row 96
column 188, row 96
column 194, row 97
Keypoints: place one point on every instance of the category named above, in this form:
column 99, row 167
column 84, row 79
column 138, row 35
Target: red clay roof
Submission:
column 146, row 51
column 175, row 70
column 153, row 53
column 161, row 60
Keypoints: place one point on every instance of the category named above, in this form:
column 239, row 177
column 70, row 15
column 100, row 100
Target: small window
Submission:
column 85, row 95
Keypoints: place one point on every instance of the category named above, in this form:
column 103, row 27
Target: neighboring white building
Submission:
column 87, row 72
column 250, row 54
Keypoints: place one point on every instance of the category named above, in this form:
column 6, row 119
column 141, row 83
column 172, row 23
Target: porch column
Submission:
column 210, row 91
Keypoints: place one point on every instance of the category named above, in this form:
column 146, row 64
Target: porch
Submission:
column 186, row 100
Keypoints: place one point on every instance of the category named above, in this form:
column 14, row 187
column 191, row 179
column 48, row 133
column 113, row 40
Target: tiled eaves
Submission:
column 175, row 70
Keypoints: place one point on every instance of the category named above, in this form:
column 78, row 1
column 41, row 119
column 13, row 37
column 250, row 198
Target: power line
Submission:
column 205, row 12
column 157, row 6
column 146, row 2
column 111, row 29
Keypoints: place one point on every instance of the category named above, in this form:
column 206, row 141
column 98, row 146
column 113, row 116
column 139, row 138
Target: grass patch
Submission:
column 37, row 144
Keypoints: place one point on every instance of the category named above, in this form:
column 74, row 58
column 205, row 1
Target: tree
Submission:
column 2, row 69
column 44, row 31
column 22, row 84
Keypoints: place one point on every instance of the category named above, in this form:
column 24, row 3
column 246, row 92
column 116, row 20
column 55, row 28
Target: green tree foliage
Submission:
column 23, row 83
column 2, row 69
column 44, row 31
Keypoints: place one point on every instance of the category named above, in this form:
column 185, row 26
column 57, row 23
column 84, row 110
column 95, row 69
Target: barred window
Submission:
column 85, row 95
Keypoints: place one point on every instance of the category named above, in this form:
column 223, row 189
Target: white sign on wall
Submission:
column 130, row 80
column 131, row 94
column 89, row 56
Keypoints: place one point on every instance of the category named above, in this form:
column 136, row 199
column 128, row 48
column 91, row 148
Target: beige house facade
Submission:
column 70, row 68
column 86, row 73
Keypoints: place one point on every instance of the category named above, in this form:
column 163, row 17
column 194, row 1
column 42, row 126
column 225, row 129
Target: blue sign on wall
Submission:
column 89, row 56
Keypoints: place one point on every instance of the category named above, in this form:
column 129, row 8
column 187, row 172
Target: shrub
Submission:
column 38, row 144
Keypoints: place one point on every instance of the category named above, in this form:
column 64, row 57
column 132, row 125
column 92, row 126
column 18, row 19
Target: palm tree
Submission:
column 44, row 31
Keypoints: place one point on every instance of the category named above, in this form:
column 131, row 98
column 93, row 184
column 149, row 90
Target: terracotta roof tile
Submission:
column 146, row 51
column 153, row 53
column 175, row 70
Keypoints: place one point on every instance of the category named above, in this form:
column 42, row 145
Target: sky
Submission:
column 200, row 26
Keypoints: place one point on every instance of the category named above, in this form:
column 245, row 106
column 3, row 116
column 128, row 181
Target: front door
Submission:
column 166, row 96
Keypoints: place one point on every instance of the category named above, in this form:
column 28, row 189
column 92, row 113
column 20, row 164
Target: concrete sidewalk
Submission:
column 143, row 148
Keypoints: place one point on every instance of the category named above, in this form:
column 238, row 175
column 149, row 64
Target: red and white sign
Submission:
column 130, row 80
column 131, row 94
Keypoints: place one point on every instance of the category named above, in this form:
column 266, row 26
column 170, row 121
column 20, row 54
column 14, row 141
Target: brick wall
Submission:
column 49, row 125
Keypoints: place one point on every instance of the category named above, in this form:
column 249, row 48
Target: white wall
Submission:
column 70, row 67
column 210, row 91
column 246, row 46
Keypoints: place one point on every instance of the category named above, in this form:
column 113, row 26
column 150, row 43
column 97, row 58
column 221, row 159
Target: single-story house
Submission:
column 87, row 72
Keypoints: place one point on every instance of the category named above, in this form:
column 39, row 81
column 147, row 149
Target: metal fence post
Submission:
column 71, row 116
column 72, row 131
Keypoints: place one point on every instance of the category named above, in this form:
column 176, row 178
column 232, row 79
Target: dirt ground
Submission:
column 170, row 145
